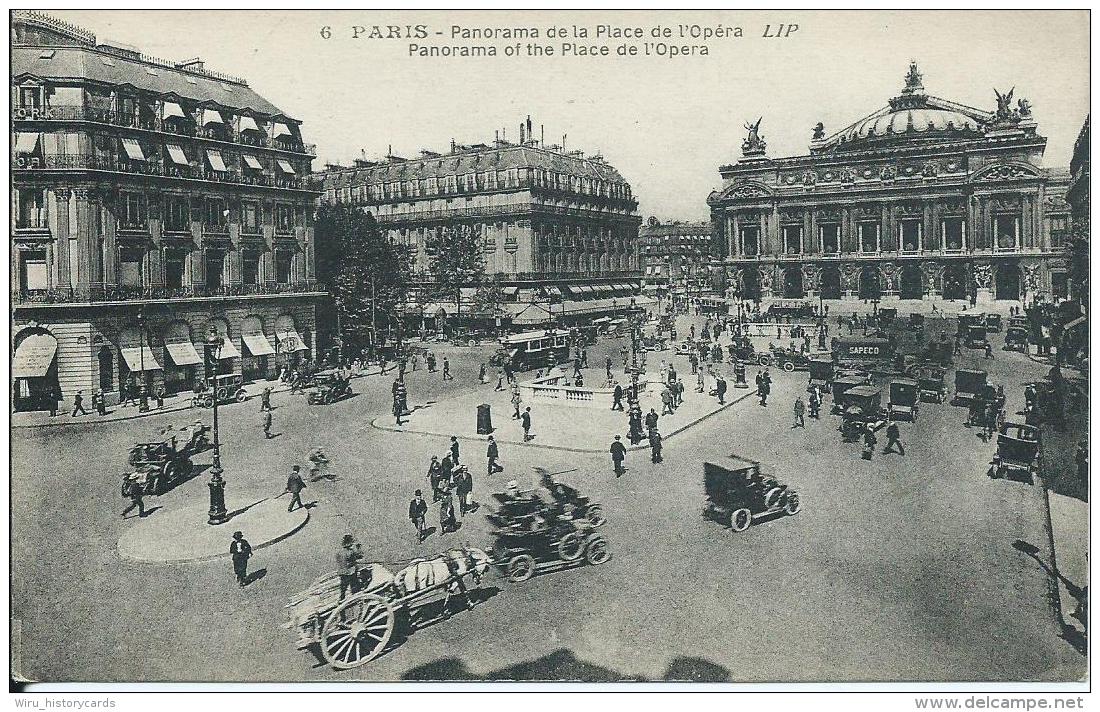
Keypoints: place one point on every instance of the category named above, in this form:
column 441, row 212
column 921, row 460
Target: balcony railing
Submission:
column 151, row 168
column 32, row 219
column 121, row 294
column 151, row 123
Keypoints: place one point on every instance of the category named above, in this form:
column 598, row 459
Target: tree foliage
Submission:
column 360, row 267
column 457, row 261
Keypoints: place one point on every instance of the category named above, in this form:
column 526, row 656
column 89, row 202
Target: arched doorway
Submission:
column 869, row 285
column 910, row 283
column 34, row 371
column 750, row 284
column 106, row 369
column 1008, row 281
column 954, row 281
column 792, row 283
column 830, row 282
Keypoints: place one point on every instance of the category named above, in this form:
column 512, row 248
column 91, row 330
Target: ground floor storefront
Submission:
column 60, row 350
column 977, row 279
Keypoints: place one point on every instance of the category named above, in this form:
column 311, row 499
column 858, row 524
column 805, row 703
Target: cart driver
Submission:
column 347, row 565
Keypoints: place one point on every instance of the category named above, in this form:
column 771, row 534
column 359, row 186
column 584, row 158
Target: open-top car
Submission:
column 841, row 385
column 159, row 466
column 788, row 360
column 328, row 386
column 739, row 494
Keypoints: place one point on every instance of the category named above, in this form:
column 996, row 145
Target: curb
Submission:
column 484, row 438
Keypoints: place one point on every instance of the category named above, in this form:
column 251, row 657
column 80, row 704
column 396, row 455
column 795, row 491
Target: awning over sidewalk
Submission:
column 532, row 314
column 33, row 356
column 182, row 353
column 140, row 358
column 257, row 344
column 289, row 341
column 229, row 350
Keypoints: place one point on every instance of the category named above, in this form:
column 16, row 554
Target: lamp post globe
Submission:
column 217, row 514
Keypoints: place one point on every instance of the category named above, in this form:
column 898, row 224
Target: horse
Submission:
column 455, row 564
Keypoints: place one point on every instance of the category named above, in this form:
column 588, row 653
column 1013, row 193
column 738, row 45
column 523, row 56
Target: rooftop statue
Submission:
column 754, row 143
column 819, row 131
column 1004, row 105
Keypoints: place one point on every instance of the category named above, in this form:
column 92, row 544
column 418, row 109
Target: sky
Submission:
column 667, row 123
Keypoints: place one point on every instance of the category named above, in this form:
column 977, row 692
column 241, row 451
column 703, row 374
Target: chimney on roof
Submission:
column 521, row 133
column 542, row 134
column 452, row 145
column 194, row 65
column 529, row 128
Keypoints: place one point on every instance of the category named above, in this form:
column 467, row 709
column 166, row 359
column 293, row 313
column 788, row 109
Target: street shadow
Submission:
column 564, row 666
column 428, row 531
column 255, row 576
column 1071, row 635
column 147, row 512
column 244, row 509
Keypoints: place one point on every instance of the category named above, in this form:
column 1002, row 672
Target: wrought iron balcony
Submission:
column 133, row 293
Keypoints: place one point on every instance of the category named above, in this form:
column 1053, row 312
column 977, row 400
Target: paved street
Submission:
column 901, row 568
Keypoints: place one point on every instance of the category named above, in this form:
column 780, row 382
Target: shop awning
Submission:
column 248, row 124
column 182, row 353
column 510, row 290
column 281, row 129
column 257, row 344
column 228, row 350
column 252, row 162
column 26, row 142
column 215, row 159
column 133, row 149
column 177, row 155
column 173, row 109
column 285, row 167
column 533, row 314
column 1075, row 323
column 33, row 356
column 555, row 291
column 289, row 341
column 209, row 116
column 139, row 357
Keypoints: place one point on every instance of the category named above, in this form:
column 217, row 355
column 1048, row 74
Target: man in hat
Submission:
column 418, row 509
column 265, row 398
column 347, row 565
column 493, row 454
column 617, row 396
column 526, row 422
column 454, row 450
column 447, row 370
column 241, row 551
column 132, row 488
column 655, row 446
column 618, row 455
column 435, row 477
column 78, row 404
column 651, row 419
column 295, row 484
column 799, row 413
column 893, row 435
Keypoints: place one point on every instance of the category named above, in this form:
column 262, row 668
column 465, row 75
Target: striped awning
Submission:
column 257, row 344
column 172, row 109
column 285, row 167
column 133, row 149
column 252, row 162
column 26, row 142
column 183, row 353
column 215, row 159
column 176, row 154
column 210, row 116
column 33, row 356
column 139, row 358
column 281, row 129
column 248, row 124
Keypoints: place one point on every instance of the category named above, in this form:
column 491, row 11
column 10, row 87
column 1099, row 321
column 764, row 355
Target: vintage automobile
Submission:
column 1019, row 450
column 904, row 399
column 785, row 359
column 930, row 382
column 739, row 494
column 841, row 385
column 652, row 342
column 887, row 316
column 916, row 321
column 966, row 320
column 866, row 353
column 821, row 373
column 975, row 337
column 993, row 323
column 938, row 352
column 159, row 466
column 227, row 388
column 861, row 409
column 1016, row 338
column 790, row 309
column 687, row 348
column 328, row 386
column 969, row 383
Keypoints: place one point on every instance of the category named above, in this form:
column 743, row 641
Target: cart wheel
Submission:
column 357, row 631
column 171, row 474
column 740, row 519
column 570, row 548
column 764, row 360
column 594, row 515
column 771, row 497
column 788, row 366
column 241, row 396
column 793, row 505
column 208, row 401
column 521, row 567
column 596, row 551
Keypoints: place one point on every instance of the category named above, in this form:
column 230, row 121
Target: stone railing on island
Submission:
column 557, row 389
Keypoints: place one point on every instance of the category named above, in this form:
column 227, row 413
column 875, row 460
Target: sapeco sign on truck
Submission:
column 863, row 350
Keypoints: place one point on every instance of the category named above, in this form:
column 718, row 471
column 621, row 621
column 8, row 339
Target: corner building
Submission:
column 152, row 201
column 923, row 199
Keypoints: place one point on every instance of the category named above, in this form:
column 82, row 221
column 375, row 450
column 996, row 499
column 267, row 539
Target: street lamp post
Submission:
column 217, row 514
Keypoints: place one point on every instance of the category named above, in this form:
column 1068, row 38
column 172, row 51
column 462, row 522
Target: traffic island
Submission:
column 183, row 535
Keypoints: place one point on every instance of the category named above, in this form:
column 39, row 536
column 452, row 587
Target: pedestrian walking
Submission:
column 265, row 398
column 576, row 367
column 241, row 551
column 799, row 413
column 492, row 453
column 655, row 447
column 431, row 362
column 893, row 437
column 78, row 404
column 464, row 487
column 347, row 565
column 988, row 350
column 869, row 442
column 651, row 419
column 500, row 380
column 700, row 382
column 447, row 370
column 720, row 389
column 764, row 389
column 815, row 403
column 666, row 401
column 418, row 510
column 99, row 403
column 481, row 374
column 133, row 489
column 526, row 422
column 515, row 401
column 266, row 419
column 607, row 365
column 454, row 450
column 447, row 520
column 618, row 455
column 295, row 484
column 584, row 358
column 159, row 393
column 617, row 396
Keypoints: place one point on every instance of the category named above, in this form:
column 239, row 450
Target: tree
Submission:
column 457, row 261
column 365, row 275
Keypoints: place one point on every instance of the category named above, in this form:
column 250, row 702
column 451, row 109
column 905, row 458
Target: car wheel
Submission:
column 740, row 519
column 793, row 504
column 764, row 360
column 521, row 567
column 788, row 366
column 241, row 396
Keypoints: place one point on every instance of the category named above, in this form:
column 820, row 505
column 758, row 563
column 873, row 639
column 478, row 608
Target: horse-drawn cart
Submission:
column 353, row 630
